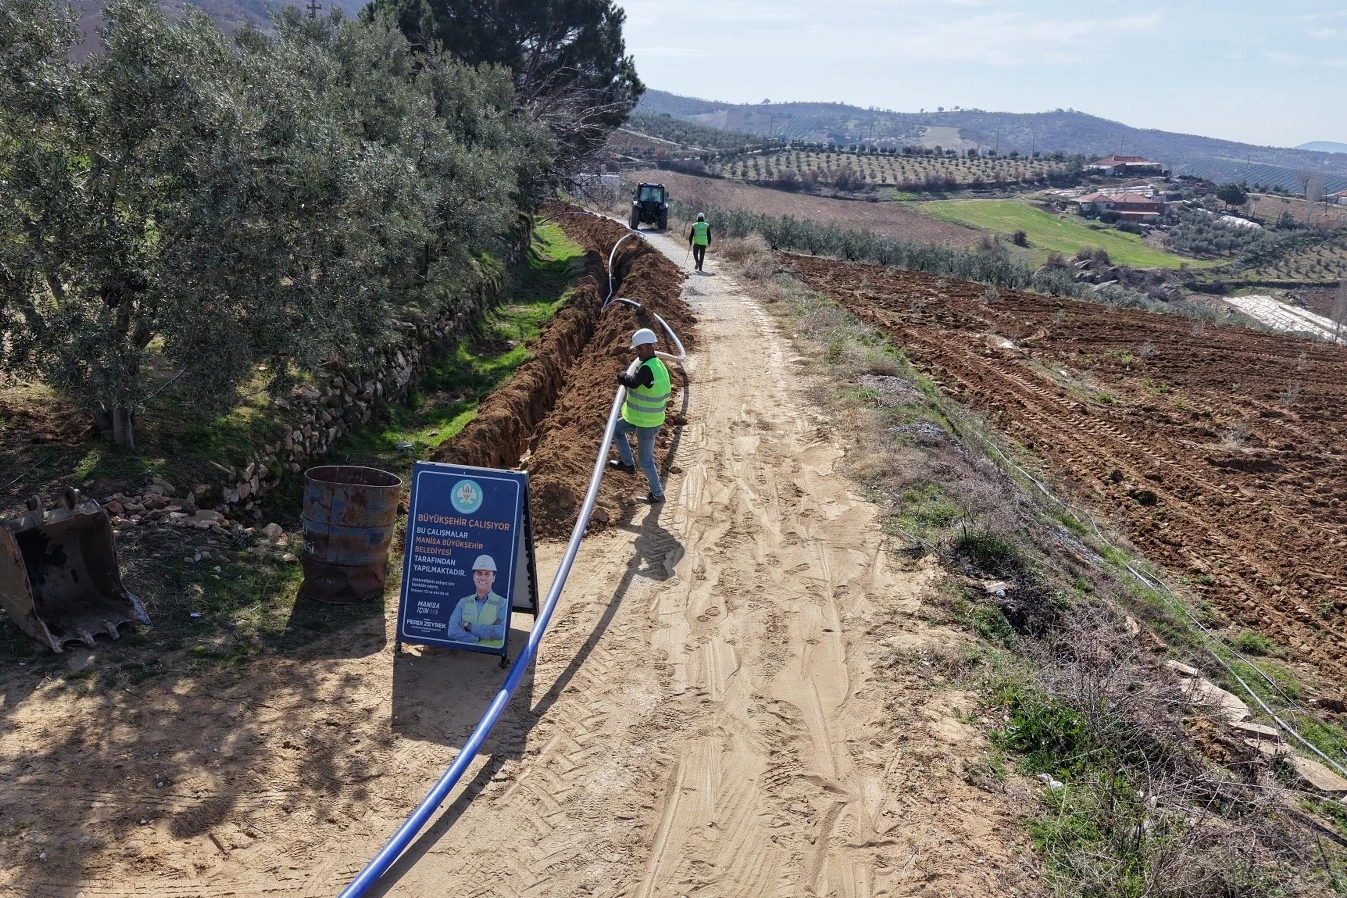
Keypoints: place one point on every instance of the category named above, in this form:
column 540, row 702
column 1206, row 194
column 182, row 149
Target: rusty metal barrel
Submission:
column 349, row 514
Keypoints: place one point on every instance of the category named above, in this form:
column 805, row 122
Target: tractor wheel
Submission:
column 664, row 221
column 635, row 220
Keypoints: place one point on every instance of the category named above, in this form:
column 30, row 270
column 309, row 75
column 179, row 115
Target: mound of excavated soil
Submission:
column 1216, row 449
column 551, row 414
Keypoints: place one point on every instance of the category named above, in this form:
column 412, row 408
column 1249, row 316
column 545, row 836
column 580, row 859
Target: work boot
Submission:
column 616, row 464
column 652, row 499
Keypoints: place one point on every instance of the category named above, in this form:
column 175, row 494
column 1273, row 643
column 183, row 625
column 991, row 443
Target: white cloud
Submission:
column 1337, row 62
column 1326, row 15
column 1326, row 33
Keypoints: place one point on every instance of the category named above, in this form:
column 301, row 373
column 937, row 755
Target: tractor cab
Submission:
column 650, row 205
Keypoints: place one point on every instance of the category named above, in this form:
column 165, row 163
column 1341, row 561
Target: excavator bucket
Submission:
column 58, row 574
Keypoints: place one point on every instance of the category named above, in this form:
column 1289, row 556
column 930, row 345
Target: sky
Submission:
column 1270, row 72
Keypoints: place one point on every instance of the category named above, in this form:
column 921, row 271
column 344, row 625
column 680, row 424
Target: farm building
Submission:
column 1126, row 206
column 1124, row 166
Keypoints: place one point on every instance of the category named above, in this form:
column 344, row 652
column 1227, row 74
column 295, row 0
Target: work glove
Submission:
column 627, row 380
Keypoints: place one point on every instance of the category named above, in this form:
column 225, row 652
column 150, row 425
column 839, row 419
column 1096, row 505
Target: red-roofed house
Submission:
column 1126, row 206
column 1122, row 166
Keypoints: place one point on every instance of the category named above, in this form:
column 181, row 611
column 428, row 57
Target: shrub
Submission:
column 1251, row 643
column 210, row 203
column 987, row 553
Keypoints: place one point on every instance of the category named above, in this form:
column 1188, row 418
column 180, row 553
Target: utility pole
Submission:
column 1340, row 308
column 313, row 7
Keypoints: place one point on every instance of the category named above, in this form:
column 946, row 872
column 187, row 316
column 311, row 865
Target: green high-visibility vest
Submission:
column 644, row 406
column 489, row 613
column 701, row 233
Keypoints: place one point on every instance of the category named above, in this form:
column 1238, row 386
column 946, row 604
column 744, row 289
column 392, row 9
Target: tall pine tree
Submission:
column 568, row 59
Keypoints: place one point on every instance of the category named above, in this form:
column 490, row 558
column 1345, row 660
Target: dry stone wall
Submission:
column 315, row 415
column 320, row 413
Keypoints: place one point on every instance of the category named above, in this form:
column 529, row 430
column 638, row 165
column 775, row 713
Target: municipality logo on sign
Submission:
column 467, row 496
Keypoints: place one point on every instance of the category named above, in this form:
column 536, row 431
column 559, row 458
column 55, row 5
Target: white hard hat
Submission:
column 484, row 563
column 701, row 216
column 643, row 336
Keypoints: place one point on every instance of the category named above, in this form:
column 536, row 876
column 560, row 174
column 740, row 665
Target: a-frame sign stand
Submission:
column 469, row 559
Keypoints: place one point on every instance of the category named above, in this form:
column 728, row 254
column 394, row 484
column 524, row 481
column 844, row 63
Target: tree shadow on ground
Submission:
column 440, row 694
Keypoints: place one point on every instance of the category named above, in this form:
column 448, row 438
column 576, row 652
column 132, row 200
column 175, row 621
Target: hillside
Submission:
column 231, row 15
column 1065, row 130
column 1324, row 146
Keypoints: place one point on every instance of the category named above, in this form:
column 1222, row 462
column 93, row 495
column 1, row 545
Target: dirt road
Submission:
column 729, row 704
column 724, row 729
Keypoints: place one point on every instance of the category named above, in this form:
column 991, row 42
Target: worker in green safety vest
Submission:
column 482, row 617
column 642, row 413
column 699, row 238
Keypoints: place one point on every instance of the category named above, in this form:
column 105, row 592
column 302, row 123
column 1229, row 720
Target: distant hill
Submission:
column 1066, row 130
column 230, row 15
column 1324, row 146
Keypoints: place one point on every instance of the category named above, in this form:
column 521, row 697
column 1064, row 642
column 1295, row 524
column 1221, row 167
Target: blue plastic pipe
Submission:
column 419, row 817
column 402, row 838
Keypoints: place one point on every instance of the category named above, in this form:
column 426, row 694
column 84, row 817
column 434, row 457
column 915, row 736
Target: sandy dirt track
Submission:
column 720, row 709
column 729, row 732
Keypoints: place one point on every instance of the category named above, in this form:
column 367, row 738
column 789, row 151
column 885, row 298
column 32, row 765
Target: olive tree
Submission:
column 214, row 204
column 1232, row 195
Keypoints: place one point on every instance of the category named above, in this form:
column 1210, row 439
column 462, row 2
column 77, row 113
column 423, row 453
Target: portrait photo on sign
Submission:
column 462, row 546
column 482, row 616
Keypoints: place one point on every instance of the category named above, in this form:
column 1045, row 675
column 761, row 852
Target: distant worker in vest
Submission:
column 699, row 238
column 642, row 413
column 483, row 616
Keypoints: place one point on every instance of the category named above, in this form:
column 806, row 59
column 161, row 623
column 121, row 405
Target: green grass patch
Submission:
column 1048, row 736
column 926, row 508
column 1073, row 525
column 988, row 552
column 448, row 396
column 1250, row 643
column 987, row 621
column 238, row 601
column 1048, row 233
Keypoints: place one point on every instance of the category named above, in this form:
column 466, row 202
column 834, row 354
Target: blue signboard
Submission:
column 469, row 553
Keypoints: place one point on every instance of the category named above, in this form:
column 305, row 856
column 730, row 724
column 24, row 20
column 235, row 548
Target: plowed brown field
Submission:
column 1216, row 449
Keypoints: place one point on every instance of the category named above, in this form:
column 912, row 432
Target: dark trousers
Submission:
column 698, row 255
